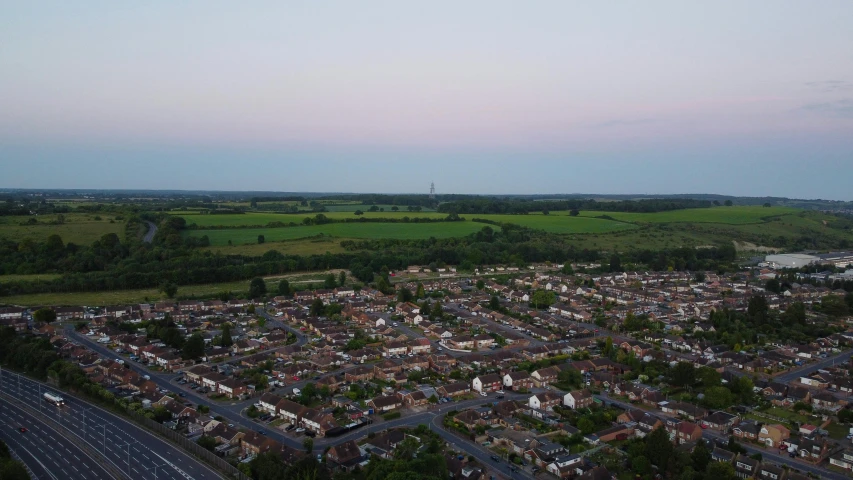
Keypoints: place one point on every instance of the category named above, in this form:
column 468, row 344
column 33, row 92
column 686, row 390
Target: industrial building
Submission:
column 790, row 260
column 797, row 260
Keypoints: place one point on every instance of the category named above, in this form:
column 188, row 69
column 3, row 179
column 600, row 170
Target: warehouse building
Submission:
column 790, row 260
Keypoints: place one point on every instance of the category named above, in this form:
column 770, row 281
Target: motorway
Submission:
column 130, row 448
column 766, row 453
column 48, row 454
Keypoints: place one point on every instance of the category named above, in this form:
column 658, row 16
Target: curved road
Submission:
column 152, row 230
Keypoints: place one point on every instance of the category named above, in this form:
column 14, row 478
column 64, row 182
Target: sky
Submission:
column 495, row 97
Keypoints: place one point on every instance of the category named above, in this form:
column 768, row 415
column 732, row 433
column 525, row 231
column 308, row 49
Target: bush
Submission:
column 392, row 415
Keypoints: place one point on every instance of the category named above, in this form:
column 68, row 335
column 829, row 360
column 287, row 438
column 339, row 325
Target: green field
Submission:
column 726, row 215
column 144, row 295
column 764, row 227
column 559, row 223
column 305, row 246
column 346, row 230
column 78, row 228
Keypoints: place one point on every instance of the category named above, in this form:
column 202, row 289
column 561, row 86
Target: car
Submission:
column 299, row 430
column 290, row 427
column 496, row 458
column 500, row 392
column 317, row 377
column 792, row 454
column 395, row 324
column 501, row 397
column 193, row 386
column 261, row 432
column 23, row 429
column 484, row 394
column 703, row 425
column 231, row 425
column 295, row 378
column 182, row 394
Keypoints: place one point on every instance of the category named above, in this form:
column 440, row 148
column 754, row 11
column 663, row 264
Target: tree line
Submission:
column 486, row 205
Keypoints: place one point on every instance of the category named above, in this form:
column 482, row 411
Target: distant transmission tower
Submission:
column 432, row 190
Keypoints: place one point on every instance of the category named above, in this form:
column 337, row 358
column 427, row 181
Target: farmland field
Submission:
column 237, row 219
column 119, row 297
column 78, row 228
column 727, row 215
column 346, row 230
column 559, row 223
column 305, row 246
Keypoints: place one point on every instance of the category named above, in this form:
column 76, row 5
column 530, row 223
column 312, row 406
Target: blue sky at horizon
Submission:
column 740, row 98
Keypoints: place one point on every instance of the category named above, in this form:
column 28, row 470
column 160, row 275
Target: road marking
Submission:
column 39, row 462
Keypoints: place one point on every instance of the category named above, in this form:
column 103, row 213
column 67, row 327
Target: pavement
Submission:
column 770, row 454
column 48, row 454
column 131, row 448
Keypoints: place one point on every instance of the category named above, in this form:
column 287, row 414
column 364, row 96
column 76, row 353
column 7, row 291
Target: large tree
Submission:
column 683, row 374
column 194, row 347
column 44, row 315
column 284, row 288
column 659, row 447
column 226, row 340
column 257, row 287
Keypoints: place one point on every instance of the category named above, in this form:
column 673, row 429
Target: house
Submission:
column 469, row 418
column 747, row 430
column 545, row 376
column 578, row 399
column 491, row 382
column 232, row 388
column 843, row 459
column 518, row 380
column 385, row 403
column 720, row 455
column 813, row 449
column 685, row 432
column 268, row 402
column 773, row 435
column 453, row 389
column 721, row 421
column 615, row 433
column 646, row 424
column 770, row 472
column 291, row 411
column 345, row 456
column 745, row 467
column 565, row 466
column 544, row 401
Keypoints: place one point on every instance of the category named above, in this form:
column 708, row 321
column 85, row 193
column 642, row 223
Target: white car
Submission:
column 394, row 324
column 500, row 392
column 484, row 394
